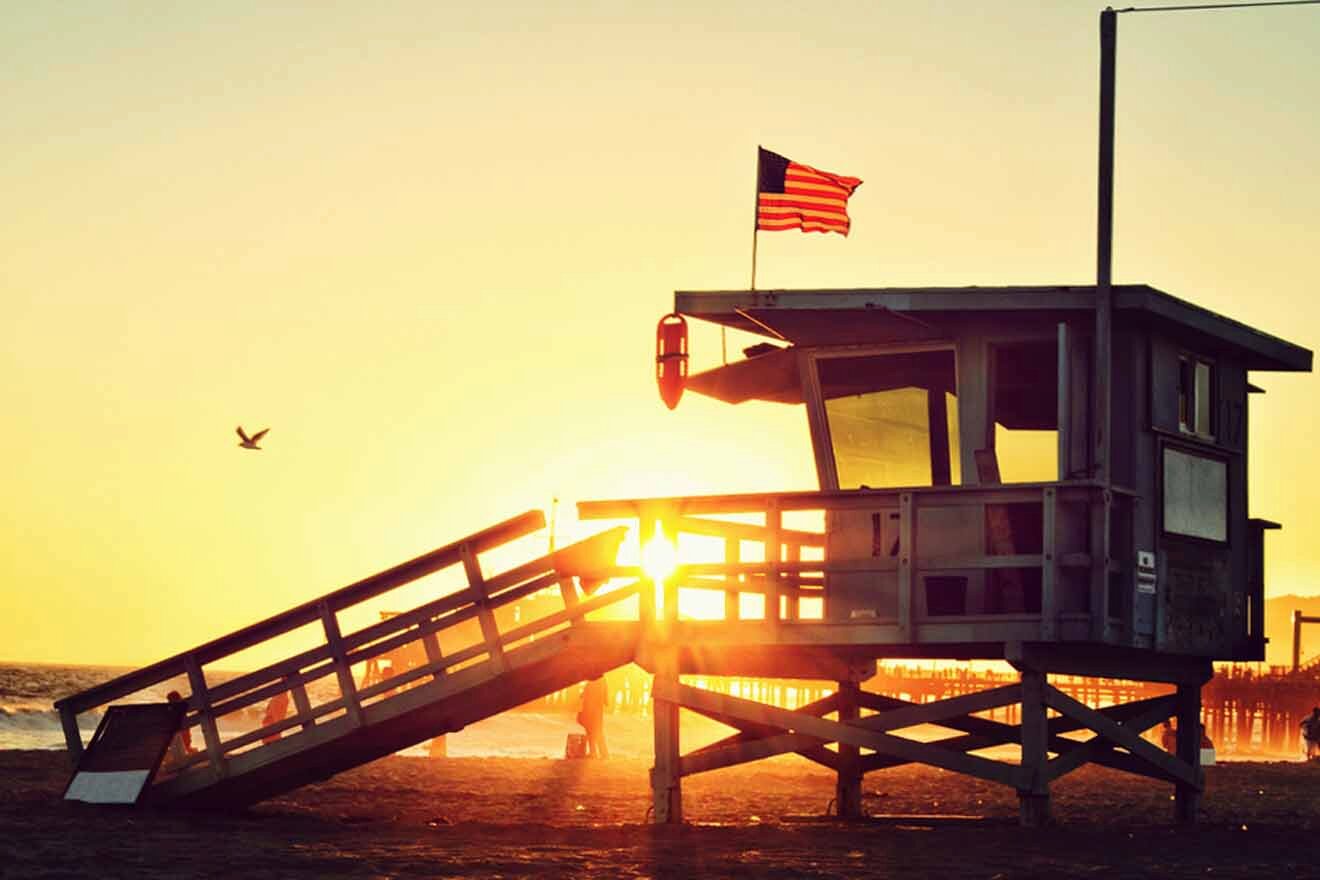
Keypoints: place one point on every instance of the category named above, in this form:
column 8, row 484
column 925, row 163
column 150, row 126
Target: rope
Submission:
column 1219, row 6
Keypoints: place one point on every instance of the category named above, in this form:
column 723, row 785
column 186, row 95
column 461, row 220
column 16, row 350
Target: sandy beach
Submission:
column 504, row 817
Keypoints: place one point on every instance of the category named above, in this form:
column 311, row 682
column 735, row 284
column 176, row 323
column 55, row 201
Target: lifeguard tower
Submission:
column 970, row 511
column 967, row 510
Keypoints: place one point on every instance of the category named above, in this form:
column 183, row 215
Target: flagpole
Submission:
column 756, row 210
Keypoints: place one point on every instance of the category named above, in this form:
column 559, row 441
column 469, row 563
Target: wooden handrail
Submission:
column 341, row 652
column 301, row 615
column 629, row 508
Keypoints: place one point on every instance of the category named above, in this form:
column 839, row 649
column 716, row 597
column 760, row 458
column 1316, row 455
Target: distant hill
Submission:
column 1278, row 628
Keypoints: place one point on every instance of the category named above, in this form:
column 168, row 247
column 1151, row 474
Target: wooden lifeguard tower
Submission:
column 965, row 511
column 969, row 512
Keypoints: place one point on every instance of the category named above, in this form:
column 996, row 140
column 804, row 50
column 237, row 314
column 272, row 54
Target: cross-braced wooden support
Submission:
column 666, row 775
column 848, row 789
column 853, row 744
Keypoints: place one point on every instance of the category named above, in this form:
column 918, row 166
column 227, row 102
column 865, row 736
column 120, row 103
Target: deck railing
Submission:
column 339, row 652
column 796, row 564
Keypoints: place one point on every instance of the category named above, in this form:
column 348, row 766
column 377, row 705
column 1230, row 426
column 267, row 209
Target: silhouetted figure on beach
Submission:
column 1311, row 733
column 1168, row 737
column 592, row 717
column 181, row 746
column 276, row 710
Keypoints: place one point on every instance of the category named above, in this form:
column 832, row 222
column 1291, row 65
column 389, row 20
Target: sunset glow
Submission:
column 428, row 248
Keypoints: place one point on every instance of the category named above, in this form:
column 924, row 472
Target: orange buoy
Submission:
column 671, row 357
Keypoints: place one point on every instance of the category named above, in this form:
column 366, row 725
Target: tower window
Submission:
column 1196, row 396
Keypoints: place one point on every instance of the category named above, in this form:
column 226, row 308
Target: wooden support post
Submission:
column 303, row 705
column 1034, row 793
column 774, row 556
column 1187, row 798
column 1297, row 639
column 646, row 597
column 568, row 591
column 72, row 735
column 668, row 535
column 1049, row 567
column 343, row 671
column 431, row 644
column 733, row 555
column 1100, row 540
column 848, row 788
column 794, row 595
column 490, row 632
column 201, row 700
column 666, row 781
column 907, row 551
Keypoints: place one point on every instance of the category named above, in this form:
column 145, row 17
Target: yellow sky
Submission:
column 427, row 245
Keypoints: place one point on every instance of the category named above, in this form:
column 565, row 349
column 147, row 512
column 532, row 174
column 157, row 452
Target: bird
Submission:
column 251, row 442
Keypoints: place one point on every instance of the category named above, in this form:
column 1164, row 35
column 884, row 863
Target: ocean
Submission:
column 28, row 719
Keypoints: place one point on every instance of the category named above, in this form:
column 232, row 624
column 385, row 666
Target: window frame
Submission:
column 818, row 420
column 1192, row 360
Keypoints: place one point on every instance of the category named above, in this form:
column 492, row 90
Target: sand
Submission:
column 508, row 817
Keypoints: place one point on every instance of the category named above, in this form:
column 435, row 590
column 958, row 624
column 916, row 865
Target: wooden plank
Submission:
column 1187, row 790
column 755, row 750
column 907, row 548
column 490, row 631
column 766, row 569
column 790, row 590
column 1119, row 735
column 1099, row 600
column 245, row 683
column 774, row 557
column 749, row 731
column 737, row 531
column 850, row 499
column 666, row 775
column 1109, row 662
column 748, row 710
column 300, row 615
column 732, row 604
column 646, row 600
column 1004, row 561
column 302, row 704
column 1049, row 629
column 848, row 779
column 756, row 741
column 1090, row 750
column 434, row 656
column 343, row 671
column 670, row 585
column 890, row 718
column 256, row 695
column 72, row 735
column 201, row 701
column 1033, row 790
column 568, row 591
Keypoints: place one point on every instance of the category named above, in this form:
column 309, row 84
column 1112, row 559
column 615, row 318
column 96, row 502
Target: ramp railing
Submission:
column 471, row 612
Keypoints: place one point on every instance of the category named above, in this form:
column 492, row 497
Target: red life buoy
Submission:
column 671, row 357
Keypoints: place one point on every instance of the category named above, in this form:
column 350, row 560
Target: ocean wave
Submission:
column 38, row 716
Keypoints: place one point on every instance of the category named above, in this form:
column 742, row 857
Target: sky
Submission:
column 427, row 245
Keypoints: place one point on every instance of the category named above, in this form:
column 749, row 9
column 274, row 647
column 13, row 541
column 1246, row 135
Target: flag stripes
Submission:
column 795, row 196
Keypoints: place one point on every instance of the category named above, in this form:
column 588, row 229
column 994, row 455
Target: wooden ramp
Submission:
column 448, row 662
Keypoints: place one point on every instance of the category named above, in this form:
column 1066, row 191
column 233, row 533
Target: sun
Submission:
column 659, row 559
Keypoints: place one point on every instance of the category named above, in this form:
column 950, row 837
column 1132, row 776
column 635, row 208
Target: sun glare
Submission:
column 659, row 559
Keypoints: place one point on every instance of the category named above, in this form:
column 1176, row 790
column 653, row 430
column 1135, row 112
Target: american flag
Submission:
column 794, row 196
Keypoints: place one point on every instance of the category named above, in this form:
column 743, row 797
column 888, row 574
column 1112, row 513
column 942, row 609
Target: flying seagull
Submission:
column 250, row 442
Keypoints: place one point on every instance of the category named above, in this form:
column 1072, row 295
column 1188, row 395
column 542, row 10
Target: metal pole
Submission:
column 756, row 213
column 1297, row 639
column 1104, row 294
